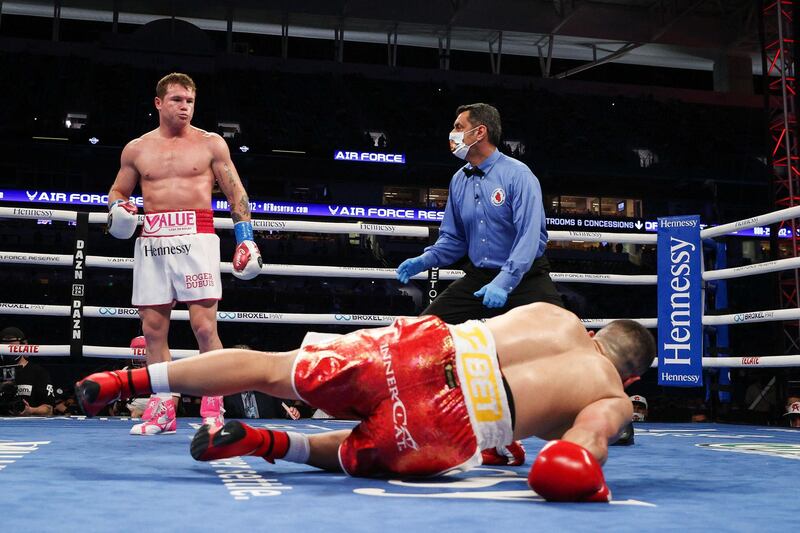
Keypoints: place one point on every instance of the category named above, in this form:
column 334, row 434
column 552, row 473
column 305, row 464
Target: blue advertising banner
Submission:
column 295, row 209
column 381, row 212
column 680, row 302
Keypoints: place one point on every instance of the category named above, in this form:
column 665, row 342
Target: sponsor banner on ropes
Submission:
column 680, row 302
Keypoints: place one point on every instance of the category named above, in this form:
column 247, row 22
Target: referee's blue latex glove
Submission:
column 410, row 267
column 493, row 296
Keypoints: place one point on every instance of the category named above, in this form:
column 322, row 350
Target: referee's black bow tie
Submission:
column 474, row 171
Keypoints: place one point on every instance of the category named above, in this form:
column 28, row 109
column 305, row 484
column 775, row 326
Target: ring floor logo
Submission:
column 772, row 449
column 244, row 481
column 477, row 484
column 11, row 451
column 695, row 433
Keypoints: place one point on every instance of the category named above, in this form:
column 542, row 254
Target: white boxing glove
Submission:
column 246, row 260
column 122, row 219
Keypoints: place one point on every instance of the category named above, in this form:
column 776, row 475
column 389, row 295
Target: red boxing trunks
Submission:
column 430, row 396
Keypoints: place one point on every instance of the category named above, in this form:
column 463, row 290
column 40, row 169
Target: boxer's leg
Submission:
column 228, row 371
column 203, row 318
column 155, row 327
column 236, row 438
column 325, row 449
column 218, row 372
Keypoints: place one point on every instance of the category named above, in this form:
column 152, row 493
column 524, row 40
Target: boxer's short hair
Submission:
column 487, row 115
column 631, row 345
column 174, row 78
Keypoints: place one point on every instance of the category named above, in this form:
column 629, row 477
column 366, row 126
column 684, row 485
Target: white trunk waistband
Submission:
column 169, row 224
column 482, row 384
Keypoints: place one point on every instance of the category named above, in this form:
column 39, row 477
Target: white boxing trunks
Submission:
column 176, row 258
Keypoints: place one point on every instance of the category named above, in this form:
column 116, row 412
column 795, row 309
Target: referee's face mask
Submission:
column 457, row 145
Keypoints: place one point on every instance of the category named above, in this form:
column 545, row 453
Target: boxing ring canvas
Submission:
column 68, row 474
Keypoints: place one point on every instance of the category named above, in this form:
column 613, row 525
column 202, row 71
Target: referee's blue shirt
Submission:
column 497, row 219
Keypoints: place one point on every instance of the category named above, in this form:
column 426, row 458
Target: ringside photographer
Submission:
column 26, row 389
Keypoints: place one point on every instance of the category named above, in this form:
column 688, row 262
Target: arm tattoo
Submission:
column 229, row 173
column 242, row 209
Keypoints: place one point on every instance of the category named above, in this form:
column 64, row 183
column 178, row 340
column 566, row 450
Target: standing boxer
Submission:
column 429, row 396
column 176, row 258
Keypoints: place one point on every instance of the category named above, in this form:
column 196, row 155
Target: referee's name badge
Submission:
column 498, row 197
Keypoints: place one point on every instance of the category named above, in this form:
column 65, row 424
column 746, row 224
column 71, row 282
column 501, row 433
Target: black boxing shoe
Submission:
column 625, row 436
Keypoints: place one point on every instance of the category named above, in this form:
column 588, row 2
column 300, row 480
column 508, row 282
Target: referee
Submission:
column 495, row 216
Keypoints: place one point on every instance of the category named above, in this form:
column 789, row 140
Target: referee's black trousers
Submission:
column 458, row 303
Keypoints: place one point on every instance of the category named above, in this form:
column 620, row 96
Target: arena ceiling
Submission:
column 665, row 33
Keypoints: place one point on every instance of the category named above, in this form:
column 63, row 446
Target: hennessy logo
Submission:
column 155, row 251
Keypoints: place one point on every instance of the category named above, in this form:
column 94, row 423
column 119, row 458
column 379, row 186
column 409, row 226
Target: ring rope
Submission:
column 258, row 317
column 760, row 220
column 250, row 317
column 306, row 226
column 26, row 258
column 111, row 352
column 411, row 231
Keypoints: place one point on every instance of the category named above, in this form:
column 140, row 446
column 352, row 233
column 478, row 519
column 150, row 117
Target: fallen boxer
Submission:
column 429, row 396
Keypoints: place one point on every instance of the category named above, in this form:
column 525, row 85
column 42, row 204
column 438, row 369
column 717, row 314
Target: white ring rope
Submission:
column 761, row 220
column 258, row 317
column 750, row 270
column 105, row 352
column 108, row 352
column 250, row 317
column 413, row 231
column 112, row 352
column 25, row 258
column 406, row 231
column 306, row 226
column 36, row 213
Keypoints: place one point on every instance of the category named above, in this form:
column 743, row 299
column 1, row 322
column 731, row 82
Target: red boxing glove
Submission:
column 567, row 472
column 246, row 260
column 511, row 455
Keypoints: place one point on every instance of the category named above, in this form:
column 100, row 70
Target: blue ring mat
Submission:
column 68, row 474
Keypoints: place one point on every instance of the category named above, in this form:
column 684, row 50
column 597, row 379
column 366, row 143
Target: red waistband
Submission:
column 182, row 221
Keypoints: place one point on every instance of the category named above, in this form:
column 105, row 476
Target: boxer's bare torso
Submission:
column 553, row 367
column 174, row 172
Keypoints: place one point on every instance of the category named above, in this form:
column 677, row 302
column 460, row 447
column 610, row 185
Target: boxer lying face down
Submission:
column 429, row 396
